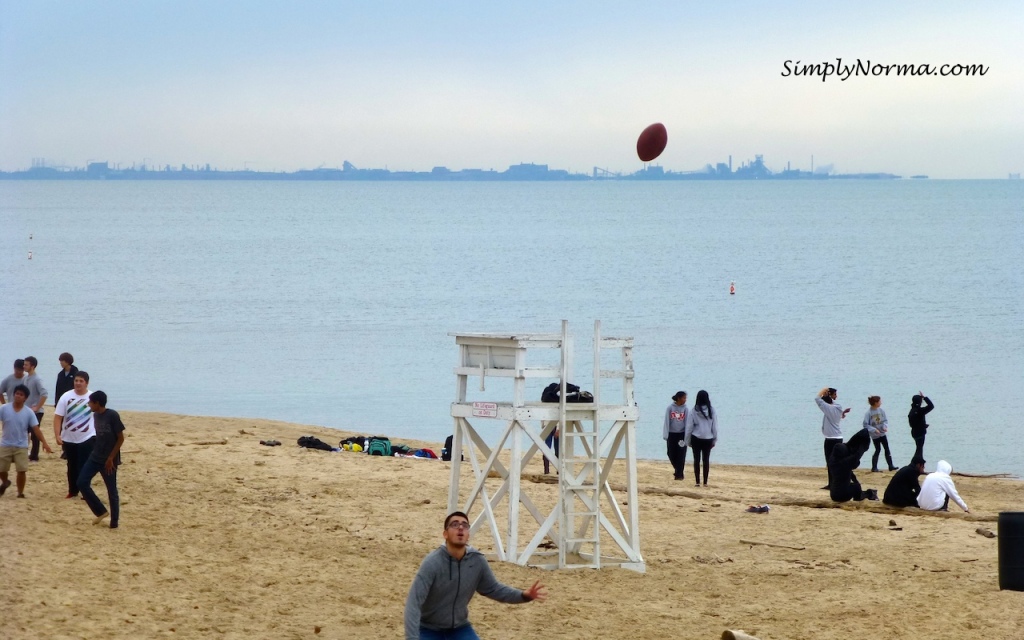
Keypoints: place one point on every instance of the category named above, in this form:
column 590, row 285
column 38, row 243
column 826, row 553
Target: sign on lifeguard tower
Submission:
column 573, row 520
column 485, row 409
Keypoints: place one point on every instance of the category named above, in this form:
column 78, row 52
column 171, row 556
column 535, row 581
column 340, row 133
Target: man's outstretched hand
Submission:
column 536, row 592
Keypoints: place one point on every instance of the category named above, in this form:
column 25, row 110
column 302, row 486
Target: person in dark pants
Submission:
column 918, row 426
column 833, row 415
column 104, row 459
column 701, row 434
column 36, row 399
column 878, row 426
column 74, row 429
column 905, row 485
column 552, row 442
column 674, row 434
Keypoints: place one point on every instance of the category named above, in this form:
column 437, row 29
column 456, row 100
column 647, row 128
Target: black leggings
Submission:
column 879, row 443
column 701, row 451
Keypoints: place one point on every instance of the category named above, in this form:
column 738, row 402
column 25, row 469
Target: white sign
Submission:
column 485, row 409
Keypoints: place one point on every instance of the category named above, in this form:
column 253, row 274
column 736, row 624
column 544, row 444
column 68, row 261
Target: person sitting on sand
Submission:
column 938, row 488
column 905, row 486
column 437, row 607
column 845, row 458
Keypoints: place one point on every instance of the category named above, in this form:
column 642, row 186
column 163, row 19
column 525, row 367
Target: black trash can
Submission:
column 1011, row 550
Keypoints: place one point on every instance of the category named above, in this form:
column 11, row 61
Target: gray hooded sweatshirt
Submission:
column 440, row 593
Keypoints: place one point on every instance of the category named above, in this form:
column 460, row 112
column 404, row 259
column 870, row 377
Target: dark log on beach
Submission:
column 982, row 475
column 773, row 544
column 203, row 443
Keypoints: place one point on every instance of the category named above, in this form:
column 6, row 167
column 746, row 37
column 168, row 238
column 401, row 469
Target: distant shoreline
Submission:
column 524, row 172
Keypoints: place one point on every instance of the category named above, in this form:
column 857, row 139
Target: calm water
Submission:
column 331, row 304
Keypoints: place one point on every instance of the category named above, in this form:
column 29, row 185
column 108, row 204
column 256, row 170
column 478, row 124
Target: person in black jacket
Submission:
column 905, row 485
column 844, row 459
column 918, row 427
column 65, row 377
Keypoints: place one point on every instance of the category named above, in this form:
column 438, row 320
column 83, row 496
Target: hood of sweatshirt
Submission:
column 860, row 442
column 944, row 467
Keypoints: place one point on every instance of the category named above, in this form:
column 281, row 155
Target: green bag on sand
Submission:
column 379, row 446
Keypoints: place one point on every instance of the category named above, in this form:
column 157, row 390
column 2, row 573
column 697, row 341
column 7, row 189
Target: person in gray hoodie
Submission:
column 834, row 413
column 437, row 607
column 701, row 434
column 673, row 432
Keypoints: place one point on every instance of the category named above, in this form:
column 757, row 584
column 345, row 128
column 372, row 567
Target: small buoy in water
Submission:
column 732, row 288
column 30, row 236
column 29, row 255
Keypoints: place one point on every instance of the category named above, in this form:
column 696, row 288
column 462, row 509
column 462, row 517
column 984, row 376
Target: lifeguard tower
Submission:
column 586, row 526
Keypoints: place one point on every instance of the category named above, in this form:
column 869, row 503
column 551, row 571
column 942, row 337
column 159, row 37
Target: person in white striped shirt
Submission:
column 74, row 429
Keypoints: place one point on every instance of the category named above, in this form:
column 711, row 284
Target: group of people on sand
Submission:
column 904, row 489
column 90, row 435
column 695, row 429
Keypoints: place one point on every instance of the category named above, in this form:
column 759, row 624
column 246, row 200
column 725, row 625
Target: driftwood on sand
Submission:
column 772, row 544
column 201, row 443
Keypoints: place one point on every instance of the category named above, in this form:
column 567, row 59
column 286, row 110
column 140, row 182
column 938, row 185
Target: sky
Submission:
column 412, row 85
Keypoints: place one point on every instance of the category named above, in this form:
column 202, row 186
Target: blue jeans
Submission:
column 89, row 471
column 464, row 632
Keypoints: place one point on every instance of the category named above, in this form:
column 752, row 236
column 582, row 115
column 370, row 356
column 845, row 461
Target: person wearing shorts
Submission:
column 17, row 421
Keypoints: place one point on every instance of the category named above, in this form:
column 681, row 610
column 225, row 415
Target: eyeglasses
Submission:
column 459, row 524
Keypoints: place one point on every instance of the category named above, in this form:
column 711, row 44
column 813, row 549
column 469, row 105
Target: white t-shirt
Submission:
column 78, row 425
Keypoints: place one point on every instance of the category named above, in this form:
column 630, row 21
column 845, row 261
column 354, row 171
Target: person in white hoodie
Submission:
column 938, row 488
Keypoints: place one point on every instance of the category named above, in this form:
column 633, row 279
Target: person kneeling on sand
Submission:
column 844, row 459
column 905, row 486
column 437, row 607
column 938, row 488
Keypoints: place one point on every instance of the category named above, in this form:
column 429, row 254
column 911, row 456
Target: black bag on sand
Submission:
column 311, row 442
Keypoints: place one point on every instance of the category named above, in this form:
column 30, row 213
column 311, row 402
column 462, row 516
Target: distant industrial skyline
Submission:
column 284, row 86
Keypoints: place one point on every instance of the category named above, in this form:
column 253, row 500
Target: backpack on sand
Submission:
column 379, row 446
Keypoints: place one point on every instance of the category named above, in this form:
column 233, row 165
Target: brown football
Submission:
column 651, row 142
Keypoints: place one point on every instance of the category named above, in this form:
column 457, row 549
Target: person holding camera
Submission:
column 834, row 413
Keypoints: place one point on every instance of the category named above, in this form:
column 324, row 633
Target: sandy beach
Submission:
column 232, row 539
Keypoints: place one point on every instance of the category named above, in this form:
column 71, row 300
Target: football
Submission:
column 651, row 142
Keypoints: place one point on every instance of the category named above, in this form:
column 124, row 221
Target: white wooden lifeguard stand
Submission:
column 586, row 525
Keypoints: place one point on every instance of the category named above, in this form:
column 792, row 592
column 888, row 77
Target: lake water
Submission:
column 331, row 303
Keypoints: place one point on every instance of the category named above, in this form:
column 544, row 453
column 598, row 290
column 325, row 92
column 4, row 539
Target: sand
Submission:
column 238, row 540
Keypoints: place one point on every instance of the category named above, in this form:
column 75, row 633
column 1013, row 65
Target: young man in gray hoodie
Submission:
column 438, row 604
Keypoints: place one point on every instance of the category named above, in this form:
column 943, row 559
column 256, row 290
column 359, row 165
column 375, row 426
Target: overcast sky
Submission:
column 411, row 85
